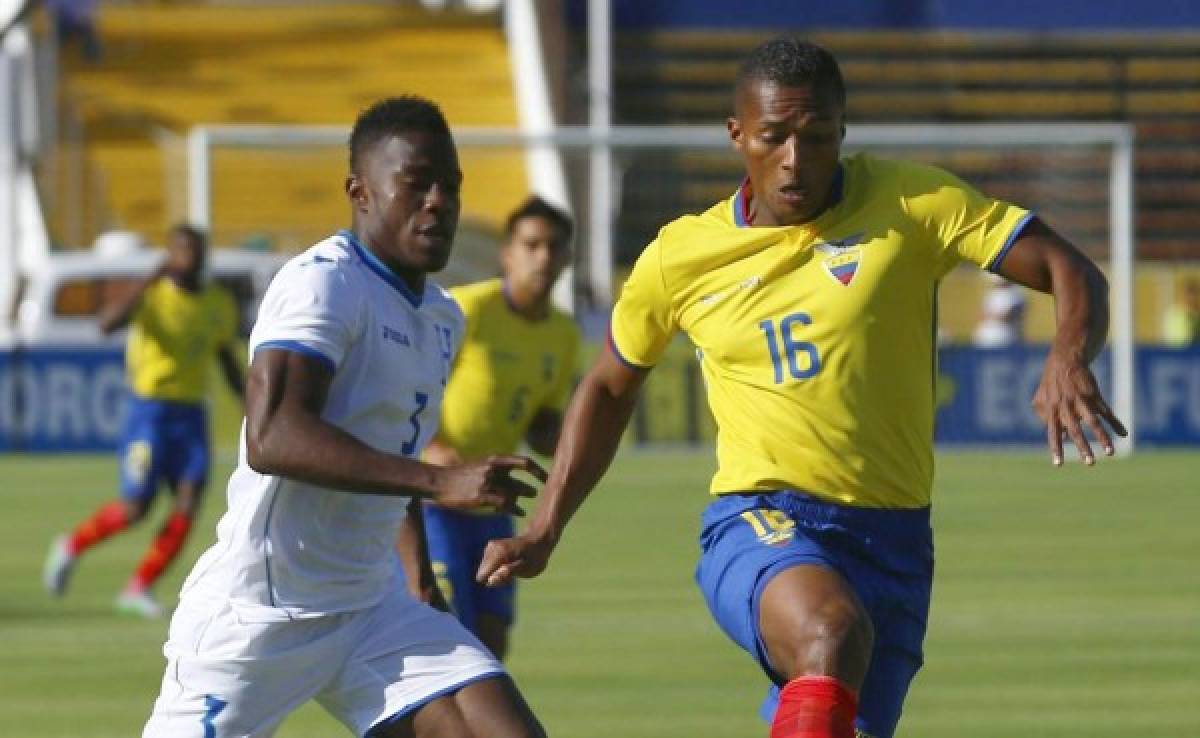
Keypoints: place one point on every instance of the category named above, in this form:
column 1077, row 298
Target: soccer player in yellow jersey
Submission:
column 810, row 294
column 178, row 322
column 509, row 384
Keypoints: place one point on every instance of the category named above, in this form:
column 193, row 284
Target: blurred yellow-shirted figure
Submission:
column 509, row 384
column 510, row 370
column 178, row 322
column 173, row 333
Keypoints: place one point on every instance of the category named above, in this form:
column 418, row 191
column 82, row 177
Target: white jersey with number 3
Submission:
column 288, row 549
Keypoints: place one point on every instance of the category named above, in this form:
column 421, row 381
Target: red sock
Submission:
column 109, row 519
column 815, row 707
column 162, row 551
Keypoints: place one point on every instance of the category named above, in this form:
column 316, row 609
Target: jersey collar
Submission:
column 382, row 270
column 743, row 199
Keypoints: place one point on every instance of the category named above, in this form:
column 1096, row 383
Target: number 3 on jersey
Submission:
column 409, row 446
column 782, row 335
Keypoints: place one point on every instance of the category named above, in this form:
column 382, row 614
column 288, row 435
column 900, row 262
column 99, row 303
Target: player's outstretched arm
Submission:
column 116, row 315
column 286, row 436
column 1068, row 396
column 595, row 420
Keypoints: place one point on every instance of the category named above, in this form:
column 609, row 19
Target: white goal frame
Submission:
column 1119, row 137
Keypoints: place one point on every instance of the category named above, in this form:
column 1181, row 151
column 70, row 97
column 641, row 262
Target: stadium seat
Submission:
column 169, row 67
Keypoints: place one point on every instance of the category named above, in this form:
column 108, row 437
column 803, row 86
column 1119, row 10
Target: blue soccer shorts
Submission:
column 885, row 555
column 456, row 542
column 162, row 441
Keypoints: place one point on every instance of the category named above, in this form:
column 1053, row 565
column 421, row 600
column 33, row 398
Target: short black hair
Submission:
column 792, row 62
column 392, row 116
column 536, row 207
column 192, row 233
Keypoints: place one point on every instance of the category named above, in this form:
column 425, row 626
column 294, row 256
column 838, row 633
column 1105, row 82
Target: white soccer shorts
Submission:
column 228, row 678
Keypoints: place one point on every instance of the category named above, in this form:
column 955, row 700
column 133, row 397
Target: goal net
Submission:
column 280, row 187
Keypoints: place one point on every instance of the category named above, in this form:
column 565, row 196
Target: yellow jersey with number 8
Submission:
column 173, row 338
column 509, row 368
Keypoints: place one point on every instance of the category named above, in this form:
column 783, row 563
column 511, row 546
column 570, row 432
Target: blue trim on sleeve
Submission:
column 612, row 346
column 299, row 348
column 1012, row 238
column 381, row 270
column 410, row 709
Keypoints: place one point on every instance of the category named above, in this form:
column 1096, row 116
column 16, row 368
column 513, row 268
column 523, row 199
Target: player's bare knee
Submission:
column 834, row 639
column 855, row 633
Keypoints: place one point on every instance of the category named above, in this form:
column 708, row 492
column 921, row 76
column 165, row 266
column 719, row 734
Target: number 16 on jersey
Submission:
column 801, row 356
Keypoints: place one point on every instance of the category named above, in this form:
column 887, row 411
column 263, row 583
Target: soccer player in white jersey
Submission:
column 300, row 597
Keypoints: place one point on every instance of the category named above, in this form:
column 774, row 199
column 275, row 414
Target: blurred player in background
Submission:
column 509, row 384
column 1181, row 321
column 810, row 294
column 1002, row 322
column 300, row 597
column 178, row 321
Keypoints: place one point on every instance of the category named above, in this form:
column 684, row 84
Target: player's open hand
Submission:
column 488, row 484
column 521, row 556
column 1067, row 399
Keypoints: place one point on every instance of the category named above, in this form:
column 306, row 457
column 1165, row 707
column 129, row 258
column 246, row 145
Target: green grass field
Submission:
column 1066, row 604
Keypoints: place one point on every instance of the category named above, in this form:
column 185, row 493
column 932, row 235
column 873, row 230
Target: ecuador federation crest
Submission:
column 842, row 258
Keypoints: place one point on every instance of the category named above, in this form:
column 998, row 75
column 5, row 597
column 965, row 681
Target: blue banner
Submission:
column 73, row 399
column 61, row 399
column 984, row 395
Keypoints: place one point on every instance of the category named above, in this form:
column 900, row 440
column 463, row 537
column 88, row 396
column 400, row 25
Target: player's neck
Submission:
column 530, row 306
column 414, row 280
column 753, row 215
column 191, row 283
column 762, row 216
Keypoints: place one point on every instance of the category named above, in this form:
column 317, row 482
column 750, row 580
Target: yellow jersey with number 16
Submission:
column 817, row 340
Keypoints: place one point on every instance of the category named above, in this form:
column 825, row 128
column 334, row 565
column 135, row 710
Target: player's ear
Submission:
column 734, row 126
column 356, row 190
column 504, row 257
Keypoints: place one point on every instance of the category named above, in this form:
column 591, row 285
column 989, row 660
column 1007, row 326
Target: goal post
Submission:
column 1038, row 147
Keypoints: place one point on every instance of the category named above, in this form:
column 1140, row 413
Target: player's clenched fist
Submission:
column 488, row 483
column 522, row 556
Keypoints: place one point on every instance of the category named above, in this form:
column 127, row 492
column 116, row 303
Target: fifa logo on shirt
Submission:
column 844, row 258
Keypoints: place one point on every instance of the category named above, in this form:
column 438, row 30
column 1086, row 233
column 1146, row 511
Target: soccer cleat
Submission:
column 59, row 564
column 139, row 602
